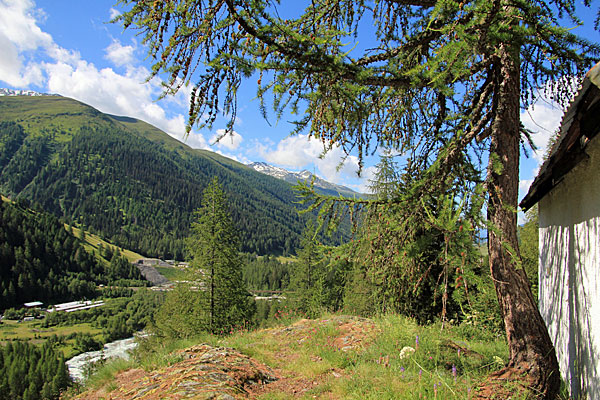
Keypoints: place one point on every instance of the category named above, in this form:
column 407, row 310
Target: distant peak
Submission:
column 22, row 92
column 294, row 177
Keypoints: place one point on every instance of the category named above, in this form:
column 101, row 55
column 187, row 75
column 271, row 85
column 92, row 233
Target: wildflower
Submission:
column 406, row 352
column 417, row 342
column 454, row 372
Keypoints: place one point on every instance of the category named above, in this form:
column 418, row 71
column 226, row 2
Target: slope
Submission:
column 41, row 260
column 130, row 182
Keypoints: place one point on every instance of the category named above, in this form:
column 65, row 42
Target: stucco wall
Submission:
column 569, row 289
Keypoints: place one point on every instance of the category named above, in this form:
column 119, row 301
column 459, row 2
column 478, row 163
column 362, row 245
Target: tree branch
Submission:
column 418, row 3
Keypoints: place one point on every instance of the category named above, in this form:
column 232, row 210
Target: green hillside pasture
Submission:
column 33, row 332
column 61, row 115
column 92, row 243
column 173, row 273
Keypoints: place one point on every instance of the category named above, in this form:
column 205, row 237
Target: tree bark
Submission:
column 532, row 354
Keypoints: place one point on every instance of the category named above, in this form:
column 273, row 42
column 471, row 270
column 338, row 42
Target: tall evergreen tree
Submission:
column 213, row 246
column 307, row 277
column 441, row 81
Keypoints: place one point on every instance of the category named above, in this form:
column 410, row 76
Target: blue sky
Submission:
column 69, row 48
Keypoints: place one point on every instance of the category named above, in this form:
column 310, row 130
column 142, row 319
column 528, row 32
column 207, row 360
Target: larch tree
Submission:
column 213, row 245
column 440, row 81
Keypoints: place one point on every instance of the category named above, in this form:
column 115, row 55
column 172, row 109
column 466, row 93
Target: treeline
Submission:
column 31, row 372
column 41, row 260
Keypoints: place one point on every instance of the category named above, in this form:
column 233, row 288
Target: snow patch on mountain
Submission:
column 22, row 92
column 302, row 176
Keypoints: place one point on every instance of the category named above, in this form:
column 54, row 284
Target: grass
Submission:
column 434, row 370
column 93, row 242
column 308, row 352
column 173, row 273
column 33, row 332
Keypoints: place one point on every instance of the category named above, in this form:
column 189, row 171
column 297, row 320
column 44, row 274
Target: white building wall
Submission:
column 569, row 284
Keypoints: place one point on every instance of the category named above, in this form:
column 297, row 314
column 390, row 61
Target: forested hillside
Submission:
column 130, row 182
column 41, row 260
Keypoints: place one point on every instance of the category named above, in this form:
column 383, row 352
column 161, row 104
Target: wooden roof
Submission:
column 580, row 124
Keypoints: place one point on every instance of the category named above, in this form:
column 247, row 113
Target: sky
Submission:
column 68, row 47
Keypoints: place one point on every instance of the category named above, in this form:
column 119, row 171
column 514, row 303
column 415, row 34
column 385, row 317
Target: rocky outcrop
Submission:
column 151, row 274
column 205, row 372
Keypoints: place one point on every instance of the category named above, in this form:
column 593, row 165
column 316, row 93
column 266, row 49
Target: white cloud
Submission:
column 114, row 13
column 542, row 118
column 19, row 35
column 120, row 94
column 230, row 141
column 18, row 23
column 64, row 72
column 292, row 152
column 524, row 185
column 118, row 54
column 298, row 152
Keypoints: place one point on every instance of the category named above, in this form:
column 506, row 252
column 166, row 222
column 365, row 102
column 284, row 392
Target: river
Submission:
column 116, row 349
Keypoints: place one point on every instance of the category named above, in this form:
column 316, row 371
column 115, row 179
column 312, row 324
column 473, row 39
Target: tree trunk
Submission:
column 532, row 355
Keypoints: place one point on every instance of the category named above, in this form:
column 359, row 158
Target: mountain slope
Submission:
column 131, row 182
column 41, row 260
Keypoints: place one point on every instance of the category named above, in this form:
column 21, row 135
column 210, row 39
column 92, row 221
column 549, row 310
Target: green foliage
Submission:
column 85, row 342
column 119, row 318
column 220, row 302
column 182, row 315
column 414, row 261
column 318, row 276
column 307, row 283
column 265, row 273
column 429, row 83
column 31, row 372
column 528, row 245
column 214, row 248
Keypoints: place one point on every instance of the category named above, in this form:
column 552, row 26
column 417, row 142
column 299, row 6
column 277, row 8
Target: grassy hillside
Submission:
column 131, row 183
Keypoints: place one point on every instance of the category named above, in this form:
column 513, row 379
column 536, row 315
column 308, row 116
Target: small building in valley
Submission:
column 567, row 190
column 33, row 304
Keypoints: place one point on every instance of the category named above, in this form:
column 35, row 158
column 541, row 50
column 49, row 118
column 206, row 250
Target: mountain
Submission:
column 20, row 92
column 130, row 182
column 320, row 185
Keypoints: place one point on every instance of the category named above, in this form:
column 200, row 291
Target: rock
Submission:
column 206, row 372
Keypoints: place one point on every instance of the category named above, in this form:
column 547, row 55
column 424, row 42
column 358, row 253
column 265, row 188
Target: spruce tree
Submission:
column 213, row 245
column 440, row 81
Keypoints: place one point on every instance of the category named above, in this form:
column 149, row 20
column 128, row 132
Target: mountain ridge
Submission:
column 320, row 184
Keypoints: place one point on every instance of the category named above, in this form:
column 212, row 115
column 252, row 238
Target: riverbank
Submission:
column 79, row 364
